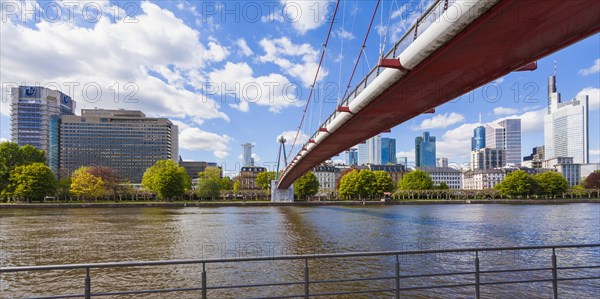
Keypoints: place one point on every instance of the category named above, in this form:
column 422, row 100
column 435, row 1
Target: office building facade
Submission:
column 478, row 139
column 192, row 168
column 425, row 150
column 487, row 158
column 441, row 162
column 351, row 156
column 505, row 135
column 35, row 118
column 124, row 140
column 374, row 149
column 388, row 151
column 566, row 126
column 448, row 175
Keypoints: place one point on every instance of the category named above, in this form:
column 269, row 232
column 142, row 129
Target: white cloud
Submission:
column 297, row 60
column 498, row 81
column 410, row 155
column 272, row 17
column 440, row 121
column 343, row 34
column 291, row 135
column 108, row 52
column 455, row 144
column 593, row 94
column 192, row 138
column 237, row 79
column 595, row 68
column 504, row 111
column 244, row 49
column 2, row 139
column 305, row 15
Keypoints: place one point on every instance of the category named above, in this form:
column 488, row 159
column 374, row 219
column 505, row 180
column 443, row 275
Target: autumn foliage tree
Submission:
column 86, row 185
column 592, row 181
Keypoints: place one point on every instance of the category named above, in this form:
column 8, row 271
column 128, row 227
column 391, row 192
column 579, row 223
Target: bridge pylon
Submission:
column 281, row 195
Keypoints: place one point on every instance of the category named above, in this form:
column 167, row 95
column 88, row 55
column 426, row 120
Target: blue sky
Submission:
column 235, row 72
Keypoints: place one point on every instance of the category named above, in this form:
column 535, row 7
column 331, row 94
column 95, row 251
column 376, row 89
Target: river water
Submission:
column 59, row 236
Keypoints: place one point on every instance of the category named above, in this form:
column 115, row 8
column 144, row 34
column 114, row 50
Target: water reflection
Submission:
column 52, row 236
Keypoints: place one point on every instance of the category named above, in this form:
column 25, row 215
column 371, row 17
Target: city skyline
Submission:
column 213, row 126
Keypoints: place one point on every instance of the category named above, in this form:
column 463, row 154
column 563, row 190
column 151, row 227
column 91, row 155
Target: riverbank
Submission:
column 204, row 204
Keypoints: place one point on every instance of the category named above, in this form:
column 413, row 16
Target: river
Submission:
column 88, row 235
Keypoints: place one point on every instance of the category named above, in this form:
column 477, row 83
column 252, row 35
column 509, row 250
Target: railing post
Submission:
column 477, row 294
column 88, row 284
column 203, row 280
column 306, row 280
column 554, row 275
column 397, row 277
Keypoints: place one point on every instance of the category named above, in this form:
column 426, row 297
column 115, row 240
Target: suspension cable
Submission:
column 312, row 87
column 361, row 49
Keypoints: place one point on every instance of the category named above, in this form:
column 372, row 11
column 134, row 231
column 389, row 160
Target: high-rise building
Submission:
column 351, row 156
column 247, row 154
column 388, row 151
column 35, row 118
column 441, row 162
column 478, row 139
column 425, row 150
column 566, row 126
column 505, row 135
column 536, row 159
column 124, row 140
column 363, row 153
column 487, row 158
column 374, row 149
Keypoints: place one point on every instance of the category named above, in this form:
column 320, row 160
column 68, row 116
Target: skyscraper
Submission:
column 425, row 150
column 374, row 149
column 351, row 156
column 566, row 127
column 32, row 109
column 363, row 153
column 124, row 140
column 247, row 154
column 478, row 139
column 388, row 151
column 505, row 135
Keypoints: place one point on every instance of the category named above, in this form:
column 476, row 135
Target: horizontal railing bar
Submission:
column 577, row 267
column 254, row 285
column 146, row 292
column 514, row 270
column 444, row 286
column 283, row 257
column 515, row 281
column 57, row 297
column 435, row 274
column 352, row 279
column 278, row 297
column 352, row 292
column 579, row 278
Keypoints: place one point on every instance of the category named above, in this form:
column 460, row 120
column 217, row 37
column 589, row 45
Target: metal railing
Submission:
column 396, row 280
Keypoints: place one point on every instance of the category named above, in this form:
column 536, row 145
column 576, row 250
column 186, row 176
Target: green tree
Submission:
column 64, row 188
column 416, row 180
column 11, row 156
column 348, row 185
column 592, row 181
column 550, row 183
column 263, row 179
column 32, row 181
column 237, row 186
column 442, row 186
column 516, row 183
column 86, row 185
column 306, row 185
column 366, row 184
column 383, row 182
column 209, row 183
column 166, row 179
column 226, row 183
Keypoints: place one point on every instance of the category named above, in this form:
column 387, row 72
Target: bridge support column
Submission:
column 281, row 195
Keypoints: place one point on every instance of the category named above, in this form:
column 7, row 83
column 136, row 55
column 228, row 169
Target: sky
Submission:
column 232, row 72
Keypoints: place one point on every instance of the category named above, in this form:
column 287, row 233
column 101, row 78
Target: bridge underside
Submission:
column 510, row 35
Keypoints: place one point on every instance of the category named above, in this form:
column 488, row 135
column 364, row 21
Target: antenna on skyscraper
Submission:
column 479, row 118
column 555, row 68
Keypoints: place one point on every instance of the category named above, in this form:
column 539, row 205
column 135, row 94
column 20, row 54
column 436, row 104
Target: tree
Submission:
column 550, row 183
column 383, row 182
column 209, row 183
column 517, row 183
column 166, row 179
column 306, row 185
column 64, row 188
column 263, row 179
column 416, row 180
column 11, row 156
column 86, row 185
column 366, row 184
column 592, row 181
column 348, row 185
column 109, row 178
column 32, row 181
column 237, row 186
column 442, row 186
column 226, row 183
